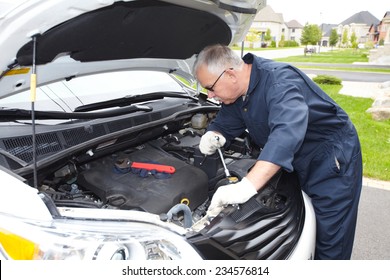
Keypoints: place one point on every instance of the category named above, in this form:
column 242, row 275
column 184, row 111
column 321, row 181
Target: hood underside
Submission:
column 140, row 29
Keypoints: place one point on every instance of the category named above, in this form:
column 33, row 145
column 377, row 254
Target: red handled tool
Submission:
column 153, row 166
column 126, row 163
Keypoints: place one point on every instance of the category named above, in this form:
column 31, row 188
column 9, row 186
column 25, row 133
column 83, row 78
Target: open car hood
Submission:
column 75, row 38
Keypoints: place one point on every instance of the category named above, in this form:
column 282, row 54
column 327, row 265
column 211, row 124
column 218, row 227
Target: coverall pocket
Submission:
column 337, row 159
column 326, row 162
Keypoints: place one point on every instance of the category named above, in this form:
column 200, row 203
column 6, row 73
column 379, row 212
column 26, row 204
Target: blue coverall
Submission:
column 299, row 127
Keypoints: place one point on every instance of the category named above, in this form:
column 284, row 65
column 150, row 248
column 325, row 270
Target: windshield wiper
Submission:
column 21, row 114
column 130, row 99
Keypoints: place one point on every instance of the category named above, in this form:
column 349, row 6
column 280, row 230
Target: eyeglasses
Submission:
column 212, row 87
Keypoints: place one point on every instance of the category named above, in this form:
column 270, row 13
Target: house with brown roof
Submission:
column 377, row 32
column 381, row 54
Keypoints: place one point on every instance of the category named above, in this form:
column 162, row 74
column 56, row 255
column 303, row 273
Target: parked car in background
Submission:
column 101, row 161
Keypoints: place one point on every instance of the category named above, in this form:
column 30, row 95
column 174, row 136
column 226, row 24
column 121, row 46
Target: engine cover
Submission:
column 154, row 194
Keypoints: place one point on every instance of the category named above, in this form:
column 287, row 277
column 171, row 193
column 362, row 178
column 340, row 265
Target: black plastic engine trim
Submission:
column 262, row 228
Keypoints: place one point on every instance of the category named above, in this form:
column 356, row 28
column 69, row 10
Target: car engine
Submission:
column 146, row 190
column 111, row 182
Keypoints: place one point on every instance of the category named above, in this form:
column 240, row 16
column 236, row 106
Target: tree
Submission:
column 311, row 34
column 344, row 41
column 353, row 40
column 268, row 36
column 334, row 38
column 252, row 35
column 282, row 41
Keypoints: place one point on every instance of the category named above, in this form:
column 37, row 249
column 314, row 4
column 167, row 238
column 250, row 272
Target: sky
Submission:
column 327, row 11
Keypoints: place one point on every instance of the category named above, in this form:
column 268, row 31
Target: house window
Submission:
column 282, row 29
column 293, row 30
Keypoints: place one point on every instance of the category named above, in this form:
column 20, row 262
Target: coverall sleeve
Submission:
column 288, row 121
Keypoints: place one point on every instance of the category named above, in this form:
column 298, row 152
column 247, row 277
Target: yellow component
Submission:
column 17, row 247
column 185, row 201
column 232, row 180
column 17, row 71
column 33, row 87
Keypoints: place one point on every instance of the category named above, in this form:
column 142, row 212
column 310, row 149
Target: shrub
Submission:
column 327, row 80
column 291, row 43
column 287, row 44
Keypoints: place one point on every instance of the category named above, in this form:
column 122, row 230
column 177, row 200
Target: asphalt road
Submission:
column 372, row 240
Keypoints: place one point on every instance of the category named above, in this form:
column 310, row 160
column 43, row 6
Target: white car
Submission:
column 100, row 121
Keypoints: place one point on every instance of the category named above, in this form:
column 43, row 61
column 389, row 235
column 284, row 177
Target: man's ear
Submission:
column 232, row 75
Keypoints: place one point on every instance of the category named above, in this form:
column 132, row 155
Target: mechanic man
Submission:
column 299, row 127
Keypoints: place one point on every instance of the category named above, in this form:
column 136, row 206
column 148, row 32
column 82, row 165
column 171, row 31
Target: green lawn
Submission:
column 374, row 135
column 332, row 56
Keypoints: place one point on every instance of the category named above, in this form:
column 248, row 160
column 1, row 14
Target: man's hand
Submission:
column 233, row 194
column 210, row 142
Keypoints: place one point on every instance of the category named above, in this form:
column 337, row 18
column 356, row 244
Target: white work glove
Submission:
column 210, row 142
column 233, row 194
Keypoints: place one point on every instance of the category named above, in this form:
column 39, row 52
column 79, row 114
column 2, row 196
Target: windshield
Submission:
column 65, row 96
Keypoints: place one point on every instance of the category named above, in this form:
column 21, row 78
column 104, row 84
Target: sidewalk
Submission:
column 360, row 89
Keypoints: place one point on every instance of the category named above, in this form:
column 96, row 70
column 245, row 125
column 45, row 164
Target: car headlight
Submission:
column 72, row 239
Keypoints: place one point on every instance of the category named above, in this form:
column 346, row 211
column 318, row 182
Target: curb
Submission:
column 373, row 183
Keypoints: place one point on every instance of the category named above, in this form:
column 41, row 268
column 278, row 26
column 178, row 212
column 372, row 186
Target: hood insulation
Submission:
column 136, row 29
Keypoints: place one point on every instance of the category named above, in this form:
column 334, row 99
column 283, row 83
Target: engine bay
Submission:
column 156, row 167
column 111, row 182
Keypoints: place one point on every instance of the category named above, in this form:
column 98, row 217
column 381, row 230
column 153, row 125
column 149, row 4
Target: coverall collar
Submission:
column 249, row 58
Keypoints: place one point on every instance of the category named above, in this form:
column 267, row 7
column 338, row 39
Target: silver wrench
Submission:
column 227, row 173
